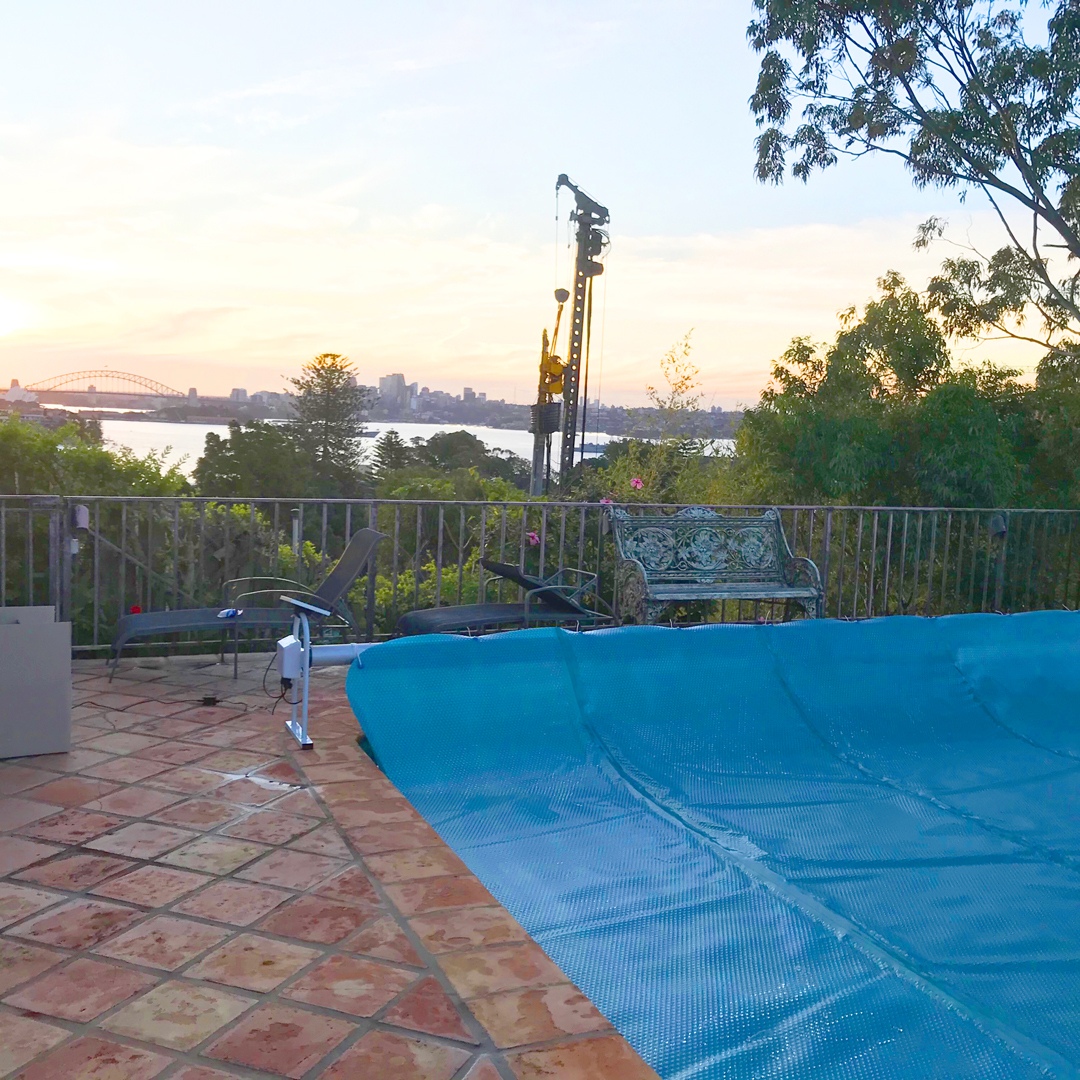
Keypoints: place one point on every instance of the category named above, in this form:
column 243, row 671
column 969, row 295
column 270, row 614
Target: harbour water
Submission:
column 183, row 443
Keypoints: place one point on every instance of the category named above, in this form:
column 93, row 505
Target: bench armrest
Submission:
column 799, row 571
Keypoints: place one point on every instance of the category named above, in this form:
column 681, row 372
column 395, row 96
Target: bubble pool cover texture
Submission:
column 828, row 850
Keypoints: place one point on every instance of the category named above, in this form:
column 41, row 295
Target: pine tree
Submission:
column 330, row 417
column 390, row 453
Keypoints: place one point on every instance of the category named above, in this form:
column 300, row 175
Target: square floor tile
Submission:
column 215, row 854
column 80, row 924
column 395, row 1057
column 122, row 742
column 236, row 762
column 15, row 853
column 503, row 967
column 126, row 770
column 134, row 801
column 467, row 928
column 394, row 866
column 74, row 872
column 151, row 886
column 72, row 761
column 373, row 839
column 282, row 772
column 359, row 815
column 291, row 869
column 80, row 991
column 72, row 827
column 269, row 827
column 187, row 780
column 164, row 941
column 19, row 813
column 325, row 840
column 19, row 902
column 233, row 902
column 71, row 791
column 252, row 962
column 201, row 1072
column 483, row 1069
column 20, row 962
column 92, row 1058
column 178, row 1015
column 586, row 1059
column 175, row 753
column 522, row 1017
column 436, row 894
column 282, row 1040
column 300, row 802
column 143, row 840
column 351, row 886
column 199, row 814
column 22, row 1038
column 317, row 919
column 429, row 1009
column 16, row 778
column 252, row 792
column 385, row 939
column 350, row 984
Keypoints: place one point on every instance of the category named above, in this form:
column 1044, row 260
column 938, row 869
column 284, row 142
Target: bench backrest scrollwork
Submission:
column 697, row 545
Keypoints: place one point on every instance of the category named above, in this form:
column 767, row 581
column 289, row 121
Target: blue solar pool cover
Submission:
column 820, row 849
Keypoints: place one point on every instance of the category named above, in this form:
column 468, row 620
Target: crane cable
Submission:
column 603, row 335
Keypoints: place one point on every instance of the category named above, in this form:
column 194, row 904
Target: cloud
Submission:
column 199, row 266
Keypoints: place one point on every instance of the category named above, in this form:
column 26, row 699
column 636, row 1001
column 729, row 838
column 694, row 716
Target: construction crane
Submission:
column 570, row 376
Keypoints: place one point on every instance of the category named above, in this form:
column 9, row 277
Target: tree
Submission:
column 330, row 418
column 954, row 89
column 65, row 461
column 390, row 453
column 257, row 460
column 682, row 396
column 881, row 417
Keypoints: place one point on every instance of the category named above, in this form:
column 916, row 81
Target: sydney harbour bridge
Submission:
column 103, row 387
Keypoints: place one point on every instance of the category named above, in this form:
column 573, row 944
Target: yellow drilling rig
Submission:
column 567, row 378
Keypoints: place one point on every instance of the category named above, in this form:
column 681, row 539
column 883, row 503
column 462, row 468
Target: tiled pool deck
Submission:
column 187, row 895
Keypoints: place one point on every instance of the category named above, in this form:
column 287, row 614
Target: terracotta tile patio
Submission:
column 187, row 895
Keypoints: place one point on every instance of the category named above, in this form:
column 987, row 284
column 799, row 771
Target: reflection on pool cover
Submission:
column 823, row 849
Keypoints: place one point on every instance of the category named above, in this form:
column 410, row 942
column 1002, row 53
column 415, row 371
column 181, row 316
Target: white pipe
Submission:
column 337, row 655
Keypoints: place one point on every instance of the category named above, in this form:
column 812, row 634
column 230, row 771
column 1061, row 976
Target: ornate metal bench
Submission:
column 698, row 554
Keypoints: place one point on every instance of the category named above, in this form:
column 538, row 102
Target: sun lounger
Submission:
column 242, row 594
column 550, row 601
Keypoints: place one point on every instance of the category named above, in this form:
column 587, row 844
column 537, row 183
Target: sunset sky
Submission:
column 209, row 193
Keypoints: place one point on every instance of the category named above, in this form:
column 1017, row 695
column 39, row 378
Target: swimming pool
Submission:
column 820, row 849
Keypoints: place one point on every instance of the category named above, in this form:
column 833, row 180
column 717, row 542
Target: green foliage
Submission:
column 330, row 417
column 69, row 461
column 954, row 88
column 390, row 453
column 256, row 460
column 881, row 417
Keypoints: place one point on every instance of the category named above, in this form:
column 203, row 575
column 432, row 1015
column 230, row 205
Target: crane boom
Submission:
column 590, row 218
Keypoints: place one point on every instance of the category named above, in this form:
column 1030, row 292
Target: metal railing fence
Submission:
column 153, row 553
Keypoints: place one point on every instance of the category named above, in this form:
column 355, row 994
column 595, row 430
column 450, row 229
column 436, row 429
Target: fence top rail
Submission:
column 55, row 501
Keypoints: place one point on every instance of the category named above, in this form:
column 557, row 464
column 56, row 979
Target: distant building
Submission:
column 393, row 393
column 193, row 396
column 238, row 394
column 15, row 393
column 468, row 394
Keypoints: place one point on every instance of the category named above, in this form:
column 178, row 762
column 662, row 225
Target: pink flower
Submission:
column 533, row 539
column 637, row 483
column 606, row 502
